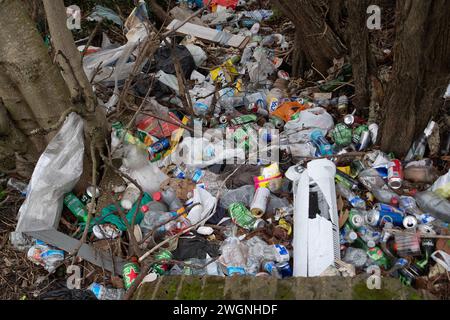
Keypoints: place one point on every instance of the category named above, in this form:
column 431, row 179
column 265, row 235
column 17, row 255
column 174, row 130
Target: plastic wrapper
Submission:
column 56, row 173
column 44, row 255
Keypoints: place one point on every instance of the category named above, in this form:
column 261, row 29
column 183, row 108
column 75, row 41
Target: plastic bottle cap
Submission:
column 144, row 208
column 394, row 201
column 157, row 196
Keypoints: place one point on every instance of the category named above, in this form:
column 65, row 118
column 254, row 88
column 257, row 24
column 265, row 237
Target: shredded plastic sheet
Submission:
column 56, row 173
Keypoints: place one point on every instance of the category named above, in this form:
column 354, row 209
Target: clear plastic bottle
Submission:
column 20, row 186
column 354, row 200
column 153, row 211
column 355, row 256
column 234, row 256
column 321, row 143
column 230, row 103
column 376, row 185
column 434, row 204
column 417, row 150
column 409, row 205
column 103, row 293
column 274, row 99
column 169, row 197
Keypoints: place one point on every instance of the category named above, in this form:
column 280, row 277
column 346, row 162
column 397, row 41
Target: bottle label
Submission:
column 235, row 270
column 96, row 289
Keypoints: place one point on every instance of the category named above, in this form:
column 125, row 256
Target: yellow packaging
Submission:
column 345, row 170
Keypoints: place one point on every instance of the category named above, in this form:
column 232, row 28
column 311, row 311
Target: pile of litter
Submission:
column 235, row 169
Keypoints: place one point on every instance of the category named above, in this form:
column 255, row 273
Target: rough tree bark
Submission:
column 32, row 97
column 421, row 71
column 361, row 57
column 318, row 41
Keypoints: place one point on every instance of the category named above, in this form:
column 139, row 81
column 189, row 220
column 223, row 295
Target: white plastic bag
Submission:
column 146, row 174
column 442, row 186
column 56, row 173
column 317, row 118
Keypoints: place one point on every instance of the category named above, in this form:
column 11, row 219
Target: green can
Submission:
column 164, row 255
column 243, row 217
column 75, row 206
column 129, row 273
column 342, row 135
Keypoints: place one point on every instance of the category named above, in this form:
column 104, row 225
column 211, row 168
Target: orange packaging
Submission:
column 287, row 109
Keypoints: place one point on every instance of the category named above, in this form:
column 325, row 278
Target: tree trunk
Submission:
column 421, row 72
column 318, row 41
column 29, row 88
column 361, row 57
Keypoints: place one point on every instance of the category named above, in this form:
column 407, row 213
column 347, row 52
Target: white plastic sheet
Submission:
column 56, row 173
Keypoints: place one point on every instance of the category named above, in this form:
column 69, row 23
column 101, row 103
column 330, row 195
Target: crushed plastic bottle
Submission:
column 103, row 293
column 20, row 186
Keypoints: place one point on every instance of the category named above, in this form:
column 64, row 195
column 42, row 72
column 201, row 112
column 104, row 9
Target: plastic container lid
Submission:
column 144, row 208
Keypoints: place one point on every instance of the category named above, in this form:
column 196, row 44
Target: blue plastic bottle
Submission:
column 321, row 143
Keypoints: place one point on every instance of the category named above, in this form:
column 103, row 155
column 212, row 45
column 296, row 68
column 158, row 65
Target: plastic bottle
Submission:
column 152, row 212
column 354, row 200
column 434, row 204
column 20, row 186
column 103, row 293
column 355, row 256
column 274, row 99
column 169, row 197
column 321, row 143
column 417, row 150
column 409, row 205
column 376, row 185
column 347, row 234
column 234, row 256
column 130, row 196
column 229, row 103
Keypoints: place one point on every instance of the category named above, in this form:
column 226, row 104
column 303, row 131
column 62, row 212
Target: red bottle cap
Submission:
column 157, row 196
column 394, row 201
column 144, row 208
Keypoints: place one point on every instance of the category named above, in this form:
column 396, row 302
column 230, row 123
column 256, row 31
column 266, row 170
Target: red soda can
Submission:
column 395, row 174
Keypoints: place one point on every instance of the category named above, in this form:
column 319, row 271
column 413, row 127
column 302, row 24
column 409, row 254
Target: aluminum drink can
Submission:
column 159, row 146
column 356, row 220
column 130, row 272
column 89, row 194
column 375, row 218
column 395, row 174
column 410, row 222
